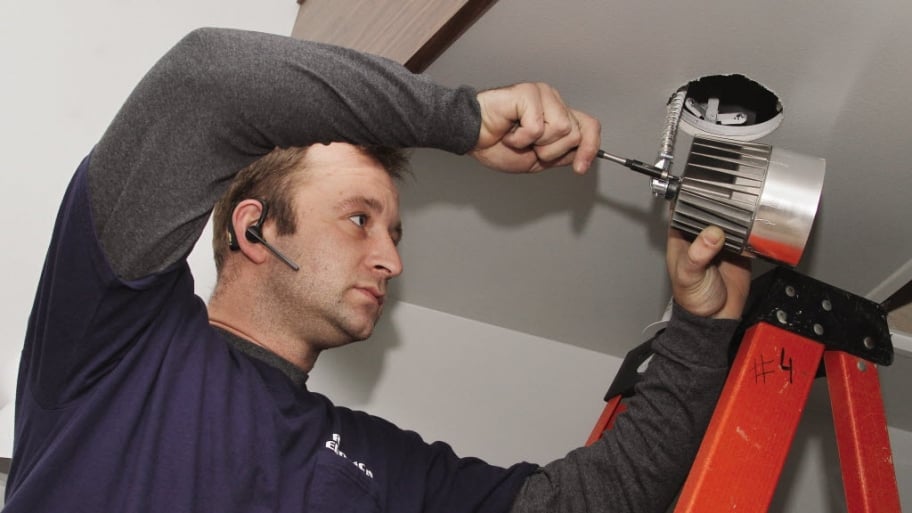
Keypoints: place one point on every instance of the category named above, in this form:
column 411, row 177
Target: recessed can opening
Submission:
column 730, row 106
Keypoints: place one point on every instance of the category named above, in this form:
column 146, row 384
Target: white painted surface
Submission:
column 891, row 283
column 67, row 68
column 901, row 442
column 902, row 343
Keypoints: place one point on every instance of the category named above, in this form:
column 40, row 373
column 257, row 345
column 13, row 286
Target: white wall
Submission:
column 490, row 392
column 901, row 441
column 66, row 69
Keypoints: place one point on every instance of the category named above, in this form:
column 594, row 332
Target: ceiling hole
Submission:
column 730, row 106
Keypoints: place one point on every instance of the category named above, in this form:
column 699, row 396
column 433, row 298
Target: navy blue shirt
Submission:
column 129, row 400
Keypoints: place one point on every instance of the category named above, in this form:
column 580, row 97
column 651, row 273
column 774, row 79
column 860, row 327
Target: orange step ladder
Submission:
column 794, row 328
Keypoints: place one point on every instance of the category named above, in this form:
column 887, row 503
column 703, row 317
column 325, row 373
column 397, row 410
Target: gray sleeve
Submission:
column 219, row 100
column 640, row 465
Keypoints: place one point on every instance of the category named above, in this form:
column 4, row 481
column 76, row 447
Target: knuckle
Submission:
column 562, row 127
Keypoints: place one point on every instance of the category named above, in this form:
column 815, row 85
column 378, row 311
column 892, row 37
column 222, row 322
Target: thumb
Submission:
column 703, row 250
column 697, row 284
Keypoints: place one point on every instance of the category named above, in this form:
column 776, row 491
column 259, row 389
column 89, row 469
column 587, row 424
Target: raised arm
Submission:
column 221, row 99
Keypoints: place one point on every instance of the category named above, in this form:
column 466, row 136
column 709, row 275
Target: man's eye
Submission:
column 359, row 219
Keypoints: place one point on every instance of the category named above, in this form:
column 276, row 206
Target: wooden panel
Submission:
column 411, row 32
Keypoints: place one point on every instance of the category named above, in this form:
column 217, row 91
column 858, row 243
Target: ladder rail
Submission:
column 860, row 423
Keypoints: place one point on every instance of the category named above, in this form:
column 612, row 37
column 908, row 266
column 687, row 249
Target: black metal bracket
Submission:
column 628, row 374
column 834, row 317
column 802, row 305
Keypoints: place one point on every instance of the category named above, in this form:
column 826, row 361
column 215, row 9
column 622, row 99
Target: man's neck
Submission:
column 238, row 321
column 248, row 347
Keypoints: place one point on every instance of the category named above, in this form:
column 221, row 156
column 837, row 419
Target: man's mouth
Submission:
column 375, row 294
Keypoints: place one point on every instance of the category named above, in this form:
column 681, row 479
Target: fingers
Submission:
column 528, row 110
column 533, row 118
column 501, row 113
column 590, row 141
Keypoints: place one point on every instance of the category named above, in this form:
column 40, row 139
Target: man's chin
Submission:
column 368, row 329
column 360, row 333
column 361, row 327
column 361, row 337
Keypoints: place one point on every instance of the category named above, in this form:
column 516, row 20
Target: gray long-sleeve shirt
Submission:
column 223, row 98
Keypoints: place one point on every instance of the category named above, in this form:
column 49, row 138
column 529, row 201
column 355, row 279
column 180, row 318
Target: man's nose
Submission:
column 387, row 259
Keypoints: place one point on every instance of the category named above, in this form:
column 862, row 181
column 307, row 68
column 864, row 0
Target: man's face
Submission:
column 347, row 214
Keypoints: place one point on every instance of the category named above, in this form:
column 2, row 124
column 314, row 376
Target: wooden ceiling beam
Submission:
column 411, row 32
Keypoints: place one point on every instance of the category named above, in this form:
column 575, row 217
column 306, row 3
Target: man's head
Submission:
column 334, row 210
column 272, row 177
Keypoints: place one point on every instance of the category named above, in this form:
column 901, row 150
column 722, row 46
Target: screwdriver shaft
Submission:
column 636, row 165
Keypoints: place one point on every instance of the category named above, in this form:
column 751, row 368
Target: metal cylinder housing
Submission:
column 764, row 198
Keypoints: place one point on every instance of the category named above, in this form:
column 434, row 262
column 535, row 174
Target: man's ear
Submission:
column 249, row 214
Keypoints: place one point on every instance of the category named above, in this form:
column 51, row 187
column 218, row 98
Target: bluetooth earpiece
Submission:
column 254, row 233
column 256, row 228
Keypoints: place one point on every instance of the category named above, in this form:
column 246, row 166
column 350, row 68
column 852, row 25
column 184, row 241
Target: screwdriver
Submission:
column 636, row 165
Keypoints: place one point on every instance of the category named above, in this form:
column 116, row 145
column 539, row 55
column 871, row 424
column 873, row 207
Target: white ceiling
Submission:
column 580, row 259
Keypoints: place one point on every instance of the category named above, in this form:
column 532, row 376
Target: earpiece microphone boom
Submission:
column 254, row 233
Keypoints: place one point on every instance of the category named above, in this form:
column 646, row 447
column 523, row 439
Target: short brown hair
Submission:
column 273, row 178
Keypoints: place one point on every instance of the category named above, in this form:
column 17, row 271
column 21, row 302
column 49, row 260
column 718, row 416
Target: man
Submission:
column 134, row 397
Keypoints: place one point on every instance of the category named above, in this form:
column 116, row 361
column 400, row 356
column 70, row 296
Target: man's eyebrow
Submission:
column 360, row 202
